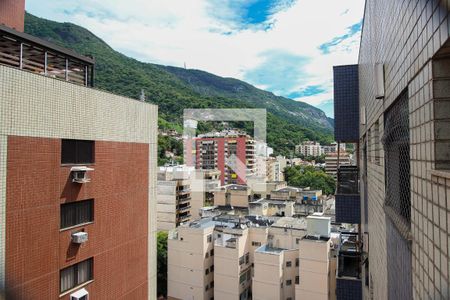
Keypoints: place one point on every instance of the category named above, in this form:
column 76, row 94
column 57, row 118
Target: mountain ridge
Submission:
column 174, row 89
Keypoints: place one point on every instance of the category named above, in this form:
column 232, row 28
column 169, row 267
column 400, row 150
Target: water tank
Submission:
column 318, row 226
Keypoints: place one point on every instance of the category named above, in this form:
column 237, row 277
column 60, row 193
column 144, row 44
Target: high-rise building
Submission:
column 309, row 148
column 77, row 178
column 402, row 113
column 230, row 152
column 173, row 196
column 333, row 160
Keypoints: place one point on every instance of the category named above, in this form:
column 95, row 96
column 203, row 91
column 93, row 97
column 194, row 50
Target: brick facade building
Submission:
column 64, row 233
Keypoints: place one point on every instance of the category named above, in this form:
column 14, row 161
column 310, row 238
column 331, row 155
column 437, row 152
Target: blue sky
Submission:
column 285, row 46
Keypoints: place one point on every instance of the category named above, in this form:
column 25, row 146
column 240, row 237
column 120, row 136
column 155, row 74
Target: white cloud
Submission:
column 175, row 32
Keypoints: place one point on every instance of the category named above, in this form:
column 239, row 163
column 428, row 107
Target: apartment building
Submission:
column 173, row 196
column 77, row 185
column 190, row 261
column 230, row 152
column 332, row 160
column 403, row 72
column 232, row 195
column 252, row 257
column 202, row 190
column 309, row 148
column 333, row 148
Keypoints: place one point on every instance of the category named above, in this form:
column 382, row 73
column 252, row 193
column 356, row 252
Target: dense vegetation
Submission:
column 174, row 89
column 161, row 260
column 308, row 176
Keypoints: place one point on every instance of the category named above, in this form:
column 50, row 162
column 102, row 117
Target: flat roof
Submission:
column 269, row 249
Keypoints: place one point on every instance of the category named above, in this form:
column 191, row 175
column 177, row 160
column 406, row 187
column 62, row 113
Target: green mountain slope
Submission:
column 175, row 89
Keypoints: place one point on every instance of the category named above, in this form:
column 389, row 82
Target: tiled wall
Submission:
column 36, row 106
column 404, row 36
column 346, row 108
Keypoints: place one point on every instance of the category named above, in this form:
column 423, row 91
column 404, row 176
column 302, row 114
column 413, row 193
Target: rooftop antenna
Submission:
column 142, row 96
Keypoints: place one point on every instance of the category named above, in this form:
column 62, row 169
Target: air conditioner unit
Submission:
column 80, row 295
column 79, row 237
column 80, row 174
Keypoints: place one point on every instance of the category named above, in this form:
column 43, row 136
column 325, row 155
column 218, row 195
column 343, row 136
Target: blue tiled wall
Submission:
column 348, row 289
column 346, row 104
column 348, row 209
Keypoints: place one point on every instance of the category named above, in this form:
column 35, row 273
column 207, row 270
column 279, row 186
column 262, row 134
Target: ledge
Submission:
column 440, row 173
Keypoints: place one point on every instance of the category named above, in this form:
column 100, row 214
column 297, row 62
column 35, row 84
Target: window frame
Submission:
column 76, row 274
column 76, row 154
column 72, row 204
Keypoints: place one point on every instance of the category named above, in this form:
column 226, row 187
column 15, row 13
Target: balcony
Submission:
column 184, row 208
column 28, row 53
column 348, row 279
column 348, row 202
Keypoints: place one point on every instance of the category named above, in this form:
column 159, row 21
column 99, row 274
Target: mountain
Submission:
column 174, row 89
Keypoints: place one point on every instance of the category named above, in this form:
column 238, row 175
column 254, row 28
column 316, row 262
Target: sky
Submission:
column 287, row 47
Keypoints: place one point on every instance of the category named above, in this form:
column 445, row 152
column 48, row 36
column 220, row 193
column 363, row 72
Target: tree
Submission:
column 161, row 246
column 308, row 176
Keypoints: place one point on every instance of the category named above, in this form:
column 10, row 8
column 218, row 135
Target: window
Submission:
column 288, row 264
column 211, row 285
column 206, row 271
column 397, row 163
column 256, row 244
column 242, row 277
column 297, row 262
column 297, row 279
column 211, row 269
column 206, row 255
column 297, row 240
column 206, row 287
column 247, row 258
column 75, row 275
column 77, row 152
column 209, row 238
column 288, row 298
column 77, row 213
column 241, row 260
column 288, row 282
column 211, row 252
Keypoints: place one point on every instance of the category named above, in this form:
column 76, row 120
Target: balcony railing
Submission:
column 348, row 201
column 26, row 52
column 347, row 180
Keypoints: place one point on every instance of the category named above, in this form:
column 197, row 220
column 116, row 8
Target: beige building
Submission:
column 173, row 197
column 332, row 161
column 232, row 195
column 309, row 148
column 190, row 261
column 203, row 185
column 229, row 257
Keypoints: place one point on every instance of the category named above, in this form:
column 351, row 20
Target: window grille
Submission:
column 397, row 164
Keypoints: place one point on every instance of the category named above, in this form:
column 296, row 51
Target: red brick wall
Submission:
column 12, row 13
column 36, row 249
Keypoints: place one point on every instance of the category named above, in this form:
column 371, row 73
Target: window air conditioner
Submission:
column 80, row 174
column 79, row 237
column 80, row 295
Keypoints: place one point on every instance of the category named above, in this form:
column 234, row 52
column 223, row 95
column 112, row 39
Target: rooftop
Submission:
column 269, row 249
column 29, row 53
